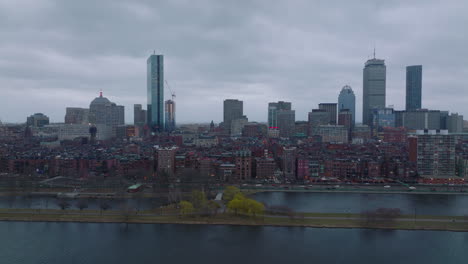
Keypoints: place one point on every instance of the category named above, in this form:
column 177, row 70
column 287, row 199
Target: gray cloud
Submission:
column 55, row 54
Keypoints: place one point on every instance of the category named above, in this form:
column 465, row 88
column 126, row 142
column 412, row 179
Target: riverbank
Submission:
column 316, row 220
column 374, row 191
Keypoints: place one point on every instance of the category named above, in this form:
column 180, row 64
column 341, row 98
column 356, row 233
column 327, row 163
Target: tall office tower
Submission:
column 273, row 109
column 316, row 118
column 286, row 122
column 374, row 79
column 347, row 100
column 170, row 116
column 435, row 153
column 75, row 115
column 413, row 87
column 139, row 115
column 330, row 108
column 233, row 109
column 155, row 92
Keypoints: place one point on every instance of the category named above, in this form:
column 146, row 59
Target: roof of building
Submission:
column 100, row 100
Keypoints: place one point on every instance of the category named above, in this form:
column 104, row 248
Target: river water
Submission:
column 422, row 204
column 58, row 243
column 426, row 204
column 50, row 243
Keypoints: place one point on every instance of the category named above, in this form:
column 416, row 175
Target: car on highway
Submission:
column 387, row 186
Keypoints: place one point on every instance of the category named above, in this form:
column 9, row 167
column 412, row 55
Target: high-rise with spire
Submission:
column 155, row 92
column 374, row 91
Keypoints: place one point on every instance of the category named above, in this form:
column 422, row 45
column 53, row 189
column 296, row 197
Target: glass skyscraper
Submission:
column 413, row 87
column 155, row 92
column 347, row 100
column 374, row 80
column 273, row 109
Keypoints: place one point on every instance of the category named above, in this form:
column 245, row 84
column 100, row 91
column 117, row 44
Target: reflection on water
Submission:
column 52, row 203
column 429, row 204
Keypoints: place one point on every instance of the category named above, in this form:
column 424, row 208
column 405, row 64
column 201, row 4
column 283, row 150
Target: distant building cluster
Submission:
column 389, row 143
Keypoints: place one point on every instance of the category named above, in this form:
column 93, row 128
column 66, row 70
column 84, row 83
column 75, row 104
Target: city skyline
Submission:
column 307, row 69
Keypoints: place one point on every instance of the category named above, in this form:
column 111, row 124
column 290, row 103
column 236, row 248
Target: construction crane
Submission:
column 170, row 90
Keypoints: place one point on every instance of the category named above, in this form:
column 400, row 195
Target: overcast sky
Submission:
column 55, row 54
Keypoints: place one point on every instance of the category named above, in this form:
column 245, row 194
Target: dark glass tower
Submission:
column 155, row 92
column 413, row 87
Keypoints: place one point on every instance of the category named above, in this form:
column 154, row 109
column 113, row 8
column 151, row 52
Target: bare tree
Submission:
column 82, row 204
column 104, row 205
column 63, row 204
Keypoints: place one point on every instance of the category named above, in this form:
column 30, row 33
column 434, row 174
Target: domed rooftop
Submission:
column 347, row 89
column 100, row 100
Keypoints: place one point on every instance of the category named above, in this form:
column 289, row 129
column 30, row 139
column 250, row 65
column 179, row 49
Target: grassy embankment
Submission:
column 335, row 220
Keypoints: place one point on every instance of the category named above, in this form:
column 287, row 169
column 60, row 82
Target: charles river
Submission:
column 155, row 243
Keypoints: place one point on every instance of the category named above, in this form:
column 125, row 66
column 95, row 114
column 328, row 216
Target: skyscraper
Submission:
column 316, row 118
column 233, row 109
column 330, row 108
column 374, row 79
column 155, row 92
column 413, row 87
column 273, row 109
column 139, row 115
column 170, row 116
column 286, row 122
column 347, row 100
